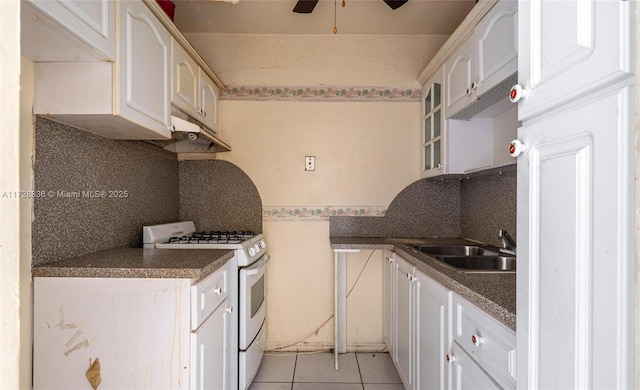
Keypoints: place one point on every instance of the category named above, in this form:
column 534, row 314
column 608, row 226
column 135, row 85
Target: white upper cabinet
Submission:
column 69, row 30
column 144, row 68
column 185, row 74
column 569, row 48
column 209, row 94
column 460, row 76
column 192, row 91
column 487, row 57
column 496, row 45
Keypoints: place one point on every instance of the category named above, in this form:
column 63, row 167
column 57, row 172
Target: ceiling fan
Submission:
column 307, row 6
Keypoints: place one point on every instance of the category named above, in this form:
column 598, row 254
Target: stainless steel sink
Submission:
column 456, row 250
column 481, row 263
column 470, row 258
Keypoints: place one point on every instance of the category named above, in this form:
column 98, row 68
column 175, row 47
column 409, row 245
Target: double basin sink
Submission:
column 470, row 258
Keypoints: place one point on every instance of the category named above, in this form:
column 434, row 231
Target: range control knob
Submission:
column 256, row 248
column 252, row 251
column 263, row 244
column 516, row 147
column 477, row 340
column 517, row 93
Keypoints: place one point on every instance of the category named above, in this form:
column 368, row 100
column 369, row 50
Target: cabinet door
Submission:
column 144, row 69
column 497, row 45
column 467, row 374
column 459, row 76
column 388, row 300
column 404, row 320
column 94, row 22
column 432, row 333
column 575, row 240
column 209, row 345
column 434, row 132
column 184, row 80
column 208, row 102
column 569, row 48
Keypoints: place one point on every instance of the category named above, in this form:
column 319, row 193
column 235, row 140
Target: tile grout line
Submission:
column 359, row 371
column 295, row 365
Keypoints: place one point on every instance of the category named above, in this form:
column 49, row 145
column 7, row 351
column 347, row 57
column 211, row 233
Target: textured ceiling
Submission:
column 417, row 17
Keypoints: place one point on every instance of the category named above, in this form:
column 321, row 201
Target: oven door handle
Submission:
column 254, row 269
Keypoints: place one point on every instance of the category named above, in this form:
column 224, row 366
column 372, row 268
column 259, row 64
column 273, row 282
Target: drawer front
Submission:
column 487, row 341
column 207, row 295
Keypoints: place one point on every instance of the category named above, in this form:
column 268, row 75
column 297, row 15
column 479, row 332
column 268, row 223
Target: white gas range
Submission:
column 247, row 271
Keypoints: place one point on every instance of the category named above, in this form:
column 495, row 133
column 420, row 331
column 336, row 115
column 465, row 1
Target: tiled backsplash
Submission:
column 98, row 193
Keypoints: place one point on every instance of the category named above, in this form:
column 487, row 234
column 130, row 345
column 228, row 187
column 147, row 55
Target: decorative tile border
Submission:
column 322, row 93
column 318, row 213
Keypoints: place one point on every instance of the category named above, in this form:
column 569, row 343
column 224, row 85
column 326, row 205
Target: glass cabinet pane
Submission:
column 427, row 102
column 427, row 157
column 427, row 129
column 436, row 154
column 436, row 94
column 436, row 123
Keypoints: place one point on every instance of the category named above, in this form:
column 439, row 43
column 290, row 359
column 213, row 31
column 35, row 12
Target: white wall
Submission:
column 366, row 152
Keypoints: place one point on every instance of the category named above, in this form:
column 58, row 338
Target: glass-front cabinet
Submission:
column 433, row 126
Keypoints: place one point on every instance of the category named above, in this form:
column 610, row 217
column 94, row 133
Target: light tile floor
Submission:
column 316, row 371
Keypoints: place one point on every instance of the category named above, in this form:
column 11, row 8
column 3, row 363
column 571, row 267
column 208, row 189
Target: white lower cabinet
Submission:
column 404, row 318
column 141, row 331
column 441, row 341
column 433, row 338
column 388, row 297
column 466, row 373
column 209, row 344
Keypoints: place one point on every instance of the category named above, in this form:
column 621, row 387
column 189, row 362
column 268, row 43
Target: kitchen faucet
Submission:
column 508, row 244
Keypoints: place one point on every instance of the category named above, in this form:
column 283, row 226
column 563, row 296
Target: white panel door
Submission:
column 144, row 69
column 575, row 264
column 496, row 39
column 459, row 75
column 184, row 80
column 432, row 333
column 569, row 48
column 94, row 21
column 208, row 102
column 388, row 300
column 209, row 345
column 404, row 320
column 466, row 374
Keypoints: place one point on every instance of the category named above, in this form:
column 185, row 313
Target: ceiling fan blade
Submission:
column 395, row 4
column 305, row 6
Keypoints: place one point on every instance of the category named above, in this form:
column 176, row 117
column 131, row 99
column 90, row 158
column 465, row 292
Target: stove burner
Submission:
column 213, row 237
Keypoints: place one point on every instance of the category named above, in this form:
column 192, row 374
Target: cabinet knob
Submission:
column 477, row 340
column 450, row 358
column 468, row 91
column 517, row 93
column 516, row 147
column 229, row 309
column 218, row 291
column 474, row 85
column 204, row 113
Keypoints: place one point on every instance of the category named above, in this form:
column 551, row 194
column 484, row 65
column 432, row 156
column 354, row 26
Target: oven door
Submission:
column 252, row 301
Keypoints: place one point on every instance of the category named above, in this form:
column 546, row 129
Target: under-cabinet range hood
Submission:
column 188, row 137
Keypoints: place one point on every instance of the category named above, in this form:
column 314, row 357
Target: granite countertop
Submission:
column 494, row 292
column 139, row 263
